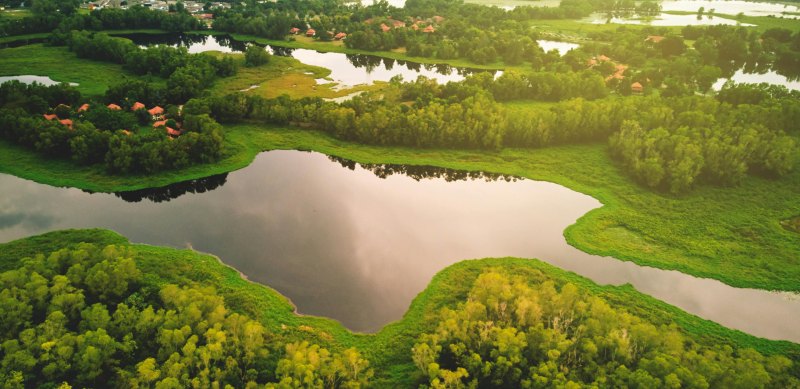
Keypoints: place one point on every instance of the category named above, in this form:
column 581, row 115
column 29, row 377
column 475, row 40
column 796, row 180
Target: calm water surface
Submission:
column 769, row 77
column 345, row 243
column 346, row 69
column 28, row 79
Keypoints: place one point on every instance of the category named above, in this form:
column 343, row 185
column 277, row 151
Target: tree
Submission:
column 256, row 56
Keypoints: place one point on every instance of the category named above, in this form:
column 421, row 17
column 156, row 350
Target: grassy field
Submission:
column 93, row 77
column 389, row 349
column 283, row 75
column 730, row 234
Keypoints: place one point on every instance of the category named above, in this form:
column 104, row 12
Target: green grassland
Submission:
column 730, row 234
column 389, row 349
column 93, row 77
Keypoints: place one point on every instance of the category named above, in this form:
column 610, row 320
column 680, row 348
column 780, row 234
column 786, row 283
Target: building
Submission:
column 114, row 107
column 654, row 38
column 310, row 32
column 340, row 36
column 429, row 29
column 83, row 108
column 137, row 106
column 159, row 123
column 156, row 112
column 67, row 123
column 294, row 30
column 385, row 28
column 637, row 88
column 50, row 116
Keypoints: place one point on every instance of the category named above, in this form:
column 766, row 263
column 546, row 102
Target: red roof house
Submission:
column 637, row 87
column 429, row 29
column 311, row 32
column 114, row 107
column 83, row 108
column 50, row 117
column 398, row 23
column 137, row 106
column 654, row 38
column 414, row 27
column 294, row 30
column 159, row 123
column 340, row 36
column 67, row 123
column 156, row 111
column 385, row 28
column 173, row 132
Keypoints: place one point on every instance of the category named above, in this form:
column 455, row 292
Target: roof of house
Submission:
column 84, row 107
column 414, row 27
column 429, row 29
column 114, row 107
column 66, row 122
column 384, row 27
column 340, row 35
column 654, row 38
column 137, row 106
column 310, row 31
column 50, row 116
column 126, row 132
column 160, row 123
column 155, row 110
column 636, row 85
column 398, row 23
column 173, row 132
column 294, row 30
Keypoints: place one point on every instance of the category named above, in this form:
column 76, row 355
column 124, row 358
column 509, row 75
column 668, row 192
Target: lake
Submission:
column 358, row 243
column 769, row 77
column 664, row 20
column 561, row 47
column 347, row 70
column 29, row 79
column 730, row 7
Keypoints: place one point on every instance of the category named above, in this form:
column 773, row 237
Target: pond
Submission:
column 731, row 7
column 664, row 20
column 358, row 243
column 769, row 77
column 28, row 79
column 561, row 47
column 347, row 70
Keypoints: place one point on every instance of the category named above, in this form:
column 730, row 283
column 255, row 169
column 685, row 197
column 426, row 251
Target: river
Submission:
column 358, row 244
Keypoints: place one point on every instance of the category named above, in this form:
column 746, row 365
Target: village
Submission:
column 156, row 115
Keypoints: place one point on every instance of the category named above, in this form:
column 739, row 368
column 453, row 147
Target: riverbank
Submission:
column 733, row 234
column 389, row 349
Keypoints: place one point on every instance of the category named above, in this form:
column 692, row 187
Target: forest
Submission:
column 670, row 144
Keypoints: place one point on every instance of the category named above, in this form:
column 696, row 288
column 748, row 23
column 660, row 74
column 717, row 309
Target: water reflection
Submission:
column 173, row 191
column 29, row 79
column 346, row 69
column 343, row 243
column 663, row 20
column 730, row 7
column 421, row 172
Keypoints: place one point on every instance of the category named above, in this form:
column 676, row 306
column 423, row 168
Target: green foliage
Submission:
column 526, row 333
column 84, row 316
column 256, row 55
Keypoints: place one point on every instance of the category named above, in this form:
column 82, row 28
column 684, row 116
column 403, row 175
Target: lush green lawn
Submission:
column 93, row 77
column 730, row 234
column 389, row 349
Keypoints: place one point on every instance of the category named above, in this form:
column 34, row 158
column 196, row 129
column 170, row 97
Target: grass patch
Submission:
column 792, row 224
column 729, row 234
column 389, row 349
column 283, row 75
column 60, row 64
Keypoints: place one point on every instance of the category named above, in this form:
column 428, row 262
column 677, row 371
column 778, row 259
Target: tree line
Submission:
column 85, row 317
column 696, row 138
column 512, row 332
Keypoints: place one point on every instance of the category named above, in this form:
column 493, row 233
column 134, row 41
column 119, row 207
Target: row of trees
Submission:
column 712, row 134
column 61, row 17
column 532, row 333
column 84, row 317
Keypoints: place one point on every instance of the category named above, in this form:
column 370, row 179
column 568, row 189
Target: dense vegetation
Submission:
column 107, row 313
column 528, row 333
column 101, row 135
column 667, row 143
column 82, row 316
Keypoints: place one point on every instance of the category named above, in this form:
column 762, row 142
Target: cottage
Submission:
column 311, row 32
column 157, row 113
column 50, row 116
column 429, row 29
column 67, row 123
column 83, row 108
column 385, row 28
column 137, row 106
column 159, row 123
column 173, row 132
column 637, row 88
column 294, row 30
column 340, row 36
column 398, row 24
column 114, row 107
